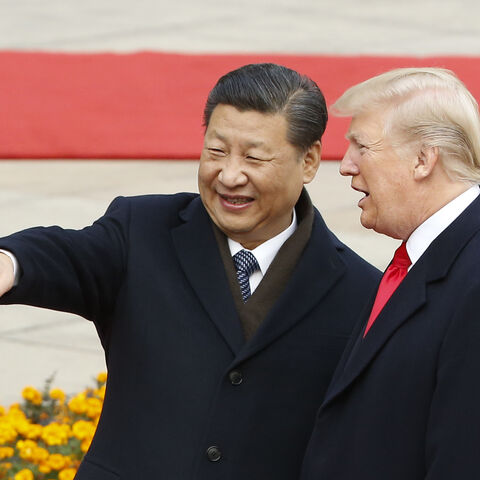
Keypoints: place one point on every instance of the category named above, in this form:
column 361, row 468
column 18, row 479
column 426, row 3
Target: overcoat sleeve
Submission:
column 77, row 271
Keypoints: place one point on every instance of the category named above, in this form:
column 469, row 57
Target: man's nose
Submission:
column 232, row 172
column 348, row 166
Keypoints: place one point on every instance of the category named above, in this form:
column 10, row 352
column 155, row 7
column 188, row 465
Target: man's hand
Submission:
column 6, row 274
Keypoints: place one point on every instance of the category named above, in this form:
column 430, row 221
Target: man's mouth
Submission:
column 236, row 200
column 366, row 195
column 361, row 191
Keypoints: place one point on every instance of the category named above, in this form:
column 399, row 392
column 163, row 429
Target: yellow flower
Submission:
column 7, row 432
column 2, row 411
column 57, row 461
column 24, row 474
column 25, row 444
column 6, row 452
column 26, row 449
column 32, row 395
column 85, row 445
column 94, row 407
column 67, row 474
column 56, row 434
column 83, row 429
column 57, row 394
column 32, row 431
column 78, row 403
column 40, row 455
column 44, row 468
column 15, row 417
column 102, row 377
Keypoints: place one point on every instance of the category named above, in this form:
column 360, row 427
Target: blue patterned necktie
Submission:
column 245, row 264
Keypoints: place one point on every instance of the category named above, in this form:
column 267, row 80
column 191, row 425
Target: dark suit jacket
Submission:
column 405, row 401
column 149, row 274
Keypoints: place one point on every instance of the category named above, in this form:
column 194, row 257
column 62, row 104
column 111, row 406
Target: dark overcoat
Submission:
column 405, row 400
column 187, row 398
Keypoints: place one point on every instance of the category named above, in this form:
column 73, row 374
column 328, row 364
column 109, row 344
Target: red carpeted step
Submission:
column 149, row 104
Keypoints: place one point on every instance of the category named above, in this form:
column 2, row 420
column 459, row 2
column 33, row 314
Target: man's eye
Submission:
column 216, row 151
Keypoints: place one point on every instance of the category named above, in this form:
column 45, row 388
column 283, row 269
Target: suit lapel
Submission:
column 199, row 257
column 394, row 314
column 434, row 265
column 318, row 269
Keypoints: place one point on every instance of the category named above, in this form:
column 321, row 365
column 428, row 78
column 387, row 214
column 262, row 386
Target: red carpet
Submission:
column 149, row 105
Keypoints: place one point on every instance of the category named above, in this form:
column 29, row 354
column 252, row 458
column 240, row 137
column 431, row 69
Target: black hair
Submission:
column 272, row 88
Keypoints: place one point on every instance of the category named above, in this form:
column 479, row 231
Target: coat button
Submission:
column 236, row 377
column 214, row 454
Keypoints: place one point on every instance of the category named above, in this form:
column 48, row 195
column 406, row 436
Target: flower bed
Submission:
column 46, row 436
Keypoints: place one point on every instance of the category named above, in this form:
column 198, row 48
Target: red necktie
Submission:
column 393, row 276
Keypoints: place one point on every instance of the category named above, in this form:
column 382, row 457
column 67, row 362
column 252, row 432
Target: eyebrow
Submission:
column 351, row 136
column 250, row 144
column 215, row 134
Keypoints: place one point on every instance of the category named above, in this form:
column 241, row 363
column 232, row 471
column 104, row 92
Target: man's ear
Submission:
column 311, row 161
column 426, row 160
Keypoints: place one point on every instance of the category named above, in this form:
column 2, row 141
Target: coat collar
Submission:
column 434, row 265
column 319, row 268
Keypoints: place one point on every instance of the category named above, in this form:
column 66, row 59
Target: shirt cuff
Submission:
column 16, row 269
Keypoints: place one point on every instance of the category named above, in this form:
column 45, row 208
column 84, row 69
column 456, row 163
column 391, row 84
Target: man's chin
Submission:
column 366, row 222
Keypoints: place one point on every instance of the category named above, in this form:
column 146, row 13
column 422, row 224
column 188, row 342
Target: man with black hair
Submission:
column 223, row 314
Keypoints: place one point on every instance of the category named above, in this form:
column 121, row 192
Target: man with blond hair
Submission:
column 404, row 402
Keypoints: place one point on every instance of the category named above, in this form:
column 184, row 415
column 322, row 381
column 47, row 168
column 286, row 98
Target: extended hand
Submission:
column 6, row 274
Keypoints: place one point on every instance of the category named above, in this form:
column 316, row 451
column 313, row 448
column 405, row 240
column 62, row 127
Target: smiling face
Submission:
column 389, row 205
column 250, row 176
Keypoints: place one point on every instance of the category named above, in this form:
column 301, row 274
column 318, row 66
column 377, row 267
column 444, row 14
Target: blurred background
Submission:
column 35, row 343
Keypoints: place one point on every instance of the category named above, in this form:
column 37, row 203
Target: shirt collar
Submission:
column 431, row 228
column 266, row 251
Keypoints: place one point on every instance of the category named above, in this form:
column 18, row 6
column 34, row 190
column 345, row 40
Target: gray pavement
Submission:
column 36, row 343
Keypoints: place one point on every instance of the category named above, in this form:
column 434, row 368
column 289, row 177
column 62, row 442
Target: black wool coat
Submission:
column 187, row 397
column 404, row 401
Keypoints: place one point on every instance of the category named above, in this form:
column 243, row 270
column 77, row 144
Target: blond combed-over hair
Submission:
column 425, row 107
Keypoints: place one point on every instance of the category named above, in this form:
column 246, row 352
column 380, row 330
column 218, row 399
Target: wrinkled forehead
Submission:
column 367, row 126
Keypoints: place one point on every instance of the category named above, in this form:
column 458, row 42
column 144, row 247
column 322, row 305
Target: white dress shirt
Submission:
column 15, row 265
column 265, row 252
column 432, row 227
